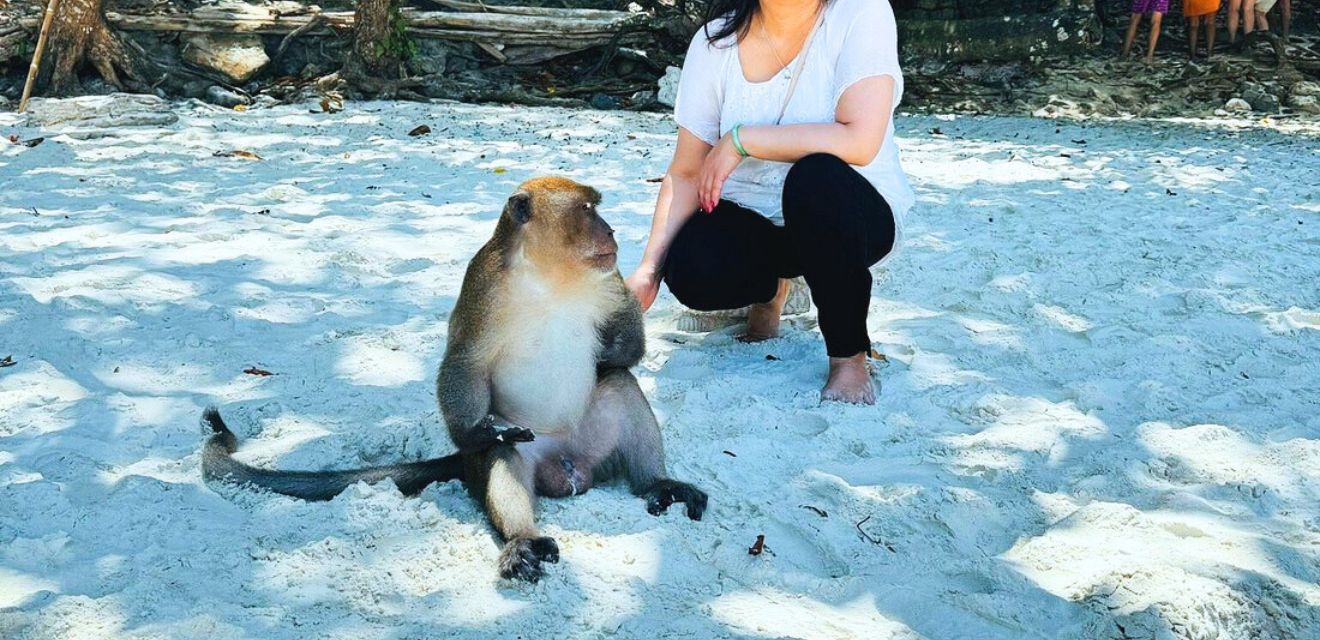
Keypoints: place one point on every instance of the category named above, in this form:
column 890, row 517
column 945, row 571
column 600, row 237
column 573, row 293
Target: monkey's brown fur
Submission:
column 534, row 387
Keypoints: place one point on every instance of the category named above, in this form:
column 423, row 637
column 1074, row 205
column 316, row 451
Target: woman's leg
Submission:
column 726, row 259
column 1234, row 9
column 837, row 226
column 1193, row 34
column 1155, row 20
column 1131, row 34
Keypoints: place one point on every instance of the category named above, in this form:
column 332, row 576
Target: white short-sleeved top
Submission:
column 858, row 39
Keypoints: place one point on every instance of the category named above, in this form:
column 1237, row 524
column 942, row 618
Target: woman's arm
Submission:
column 677, row 203
column 861, row 119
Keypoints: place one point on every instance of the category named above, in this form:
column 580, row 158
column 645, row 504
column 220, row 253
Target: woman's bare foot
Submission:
column 849, row 381
column 763, row 318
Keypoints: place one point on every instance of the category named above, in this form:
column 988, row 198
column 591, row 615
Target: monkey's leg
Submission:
column 618, row 405
column 510, row 502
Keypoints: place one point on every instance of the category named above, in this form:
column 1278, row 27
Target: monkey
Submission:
column 534, row 387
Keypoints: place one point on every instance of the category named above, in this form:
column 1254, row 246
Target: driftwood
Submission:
column 477, row 7
column 563, row 30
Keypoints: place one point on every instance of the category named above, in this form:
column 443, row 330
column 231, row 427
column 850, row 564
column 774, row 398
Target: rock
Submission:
column 1237, row 105
column 432, row 58
column 605, row 102
column 218, row 95
column 238, row 57
column 668, row 90
column 1305, row 104
column 1260, row 99
column 194, row 89
column 642, row 99
column 101, row 112
column 4, row 103
column 1306, row 88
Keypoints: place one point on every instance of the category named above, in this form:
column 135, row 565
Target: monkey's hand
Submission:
column 666, row 492
column 491, row 431
column 522, row 557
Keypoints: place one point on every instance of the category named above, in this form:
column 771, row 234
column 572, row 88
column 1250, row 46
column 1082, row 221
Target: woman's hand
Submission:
column 645, row 284
column 720, row 162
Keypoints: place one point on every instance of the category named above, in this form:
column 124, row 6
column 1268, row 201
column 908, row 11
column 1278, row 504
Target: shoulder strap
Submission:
column 801, row 64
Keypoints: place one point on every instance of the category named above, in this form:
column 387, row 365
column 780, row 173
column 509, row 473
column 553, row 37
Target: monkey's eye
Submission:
column 588, row 207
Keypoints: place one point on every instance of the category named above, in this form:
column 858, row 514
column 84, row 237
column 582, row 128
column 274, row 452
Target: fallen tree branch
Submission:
column 478, row 7
column 422, row 23
column 315, row 22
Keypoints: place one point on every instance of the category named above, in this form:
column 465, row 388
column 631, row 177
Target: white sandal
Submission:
column 692, row 321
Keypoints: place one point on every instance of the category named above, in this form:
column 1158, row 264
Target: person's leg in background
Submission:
column 1155, row 19
column 1234, row 12
column 1193, row 34
column 1133, row 23
column 1286, row 18
column 837, row 226
column 1260, row 8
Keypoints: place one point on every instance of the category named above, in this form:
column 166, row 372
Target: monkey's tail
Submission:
column 218, row 463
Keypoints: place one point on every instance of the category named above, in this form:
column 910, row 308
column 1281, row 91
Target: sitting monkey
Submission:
column 534, row 387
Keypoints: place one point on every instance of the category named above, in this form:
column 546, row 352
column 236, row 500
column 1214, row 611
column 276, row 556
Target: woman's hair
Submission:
column 737, row 16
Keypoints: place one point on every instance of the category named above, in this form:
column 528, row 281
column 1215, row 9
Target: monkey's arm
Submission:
column 463, row 389
column 622, row 336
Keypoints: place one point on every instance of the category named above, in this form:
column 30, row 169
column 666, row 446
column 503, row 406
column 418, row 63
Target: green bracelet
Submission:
column 737, row 144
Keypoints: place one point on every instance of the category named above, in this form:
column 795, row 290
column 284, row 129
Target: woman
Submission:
column 1201, row 13
column 785, row 166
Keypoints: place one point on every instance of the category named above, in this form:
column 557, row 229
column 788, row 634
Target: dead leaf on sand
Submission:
column 237, row 153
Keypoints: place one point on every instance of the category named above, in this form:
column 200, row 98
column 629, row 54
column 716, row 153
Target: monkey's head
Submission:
column 557, row 226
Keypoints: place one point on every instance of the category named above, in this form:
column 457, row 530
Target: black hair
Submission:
column 738, row 17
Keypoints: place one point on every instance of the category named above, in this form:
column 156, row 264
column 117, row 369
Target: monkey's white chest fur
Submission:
column 547, row 373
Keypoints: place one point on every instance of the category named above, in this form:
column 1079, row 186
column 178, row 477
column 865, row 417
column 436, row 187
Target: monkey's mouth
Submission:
column 605, row 260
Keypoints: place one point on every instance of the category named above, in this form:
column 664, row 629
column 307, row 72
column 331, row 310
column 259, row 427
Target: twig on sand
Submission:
column 873, row 540
column 817, row 510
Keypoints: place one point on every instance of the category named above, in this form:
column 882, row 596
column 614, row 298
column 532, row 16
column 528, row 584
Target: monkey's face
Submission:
column 559, row 227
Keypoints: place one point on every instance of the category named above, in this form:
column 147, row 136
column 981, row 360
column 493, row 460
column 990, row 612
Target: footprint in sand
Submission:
column 409, row 266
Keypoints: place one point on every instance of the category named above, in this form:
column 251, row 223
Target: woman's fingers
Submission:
column 704, row 187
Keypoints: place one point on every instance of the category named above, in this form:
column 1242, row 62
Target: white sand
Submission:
column 1100, row 419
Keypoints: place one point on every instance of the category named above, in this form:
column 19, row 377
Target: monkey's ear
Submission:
column 519, row 207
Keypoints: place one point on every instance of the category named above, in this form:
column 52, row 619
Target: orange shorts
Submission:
column 1196, row 8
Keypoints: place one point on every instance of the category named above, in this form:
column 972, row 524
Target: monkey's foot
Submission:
column 486, row 435
column 522, row 557
column 666, row 492
column 514, row 434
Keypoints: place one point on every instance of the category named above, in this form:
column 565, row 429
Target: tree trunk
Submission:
column 80, row 35
column 375, row 61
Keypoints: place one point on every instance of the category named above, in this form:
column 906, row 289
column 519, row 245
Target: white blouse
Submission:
column 858, row 39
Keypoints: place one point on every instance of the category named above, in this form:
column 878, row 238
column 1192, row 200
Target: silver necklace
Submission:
column 783, row 66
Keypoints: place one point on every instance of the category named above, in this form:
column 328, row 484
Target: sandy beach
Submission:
column 1099, row 415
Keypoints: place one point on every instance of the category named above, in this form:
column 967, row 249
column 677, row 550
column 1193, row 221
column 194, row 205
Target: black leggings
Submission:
column 836, row 225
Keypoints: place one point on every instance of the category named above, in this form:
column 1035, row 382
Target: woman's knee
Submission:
column 812, row 172
column 687, row 263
